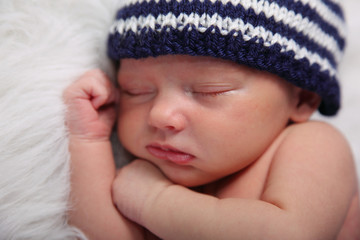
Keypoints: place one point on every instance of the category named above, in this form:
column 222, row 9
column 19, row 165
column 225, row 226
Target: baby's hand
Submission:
column 136, row 186
column 91, row 104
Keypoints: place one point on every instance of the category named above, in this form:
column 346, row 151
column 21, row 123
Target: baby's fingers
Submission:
column 104, row 94
column 79, row 89
column 94, row 85
column 98, row 88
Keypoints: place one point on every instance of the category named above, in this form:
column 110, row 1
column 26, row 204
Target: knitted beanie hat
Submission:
column 301, row 41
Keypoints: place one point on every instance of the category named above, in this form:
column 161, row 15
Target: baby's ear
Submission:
column 307, row 103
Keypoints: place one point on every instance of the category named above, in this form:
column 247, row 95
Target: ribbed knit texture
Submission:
column 301, row 41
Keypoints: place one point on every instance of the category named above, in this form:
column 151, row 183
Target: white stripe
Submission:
column 275, row 10
column 226, row 25
column 328, row 15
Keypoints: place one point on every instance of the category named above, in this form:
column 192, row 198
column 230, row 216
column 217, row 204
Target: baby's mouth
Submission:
column 169, row 153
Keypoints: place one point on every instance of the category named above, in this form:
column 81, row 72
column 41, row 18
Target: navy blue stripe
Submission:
column 299, row 72
column 335, row 8
column 248, row 16
column 307, row 11
column 163, row 7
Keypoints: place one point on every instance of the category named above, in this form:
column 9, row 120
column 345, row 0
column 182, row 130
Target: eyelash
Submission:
column 210, row 94
column 202, row 94
column 131, row 94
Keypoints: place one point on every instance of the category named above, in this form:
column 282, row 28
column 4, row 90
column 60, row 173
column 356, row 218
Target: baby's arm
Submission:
column 90, row 119
column 307, row 195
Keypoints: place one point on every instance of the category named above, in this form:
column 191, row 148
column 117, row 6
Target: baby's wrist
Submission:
column 76, row 141
column 154, row 203
column 88, row 139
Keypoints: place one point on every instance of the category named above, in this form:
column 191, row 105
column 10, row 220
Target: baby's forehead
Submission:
column 192, row 67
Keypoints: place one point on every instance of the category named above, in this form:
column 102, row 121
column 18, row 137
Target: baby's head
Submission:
column 300, row 41
column 208, row 85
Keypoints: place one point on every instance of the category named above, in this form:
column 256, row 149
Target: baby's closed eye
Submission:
column 213, row 89
column 133, row 92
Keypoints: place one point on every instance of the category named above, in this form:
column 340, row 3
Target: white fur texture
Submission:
column 45, row 45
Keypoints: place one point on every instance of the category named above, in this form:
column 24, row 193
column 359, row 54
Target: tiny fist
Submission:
column 91, row 106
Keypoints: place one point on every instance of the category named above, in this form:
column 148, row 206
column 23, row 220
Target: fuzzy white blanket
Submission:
column 45, row 45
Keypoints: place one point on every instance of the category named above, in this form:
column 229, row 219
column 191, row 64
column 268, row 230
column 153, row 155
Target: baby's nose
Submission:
column 168, row 113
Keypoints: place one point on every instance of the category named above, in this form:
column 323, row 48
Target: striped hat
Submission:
column 301, row 41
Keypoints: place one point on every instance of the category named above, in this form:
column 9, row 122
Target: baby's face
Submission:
column 197, row 118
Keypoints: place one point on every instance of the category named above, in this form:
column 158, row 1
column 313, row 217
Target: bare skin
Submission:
column 253, row 197
column 90, row 119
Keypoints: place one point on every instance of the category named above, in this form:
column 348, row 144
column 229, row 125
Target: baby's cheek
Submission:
column 123, row 130
column 128, row 131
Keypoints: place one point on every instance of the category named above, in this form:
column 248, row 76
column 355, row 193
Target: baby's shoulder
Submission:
column 318, row 134
column 316, row 141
